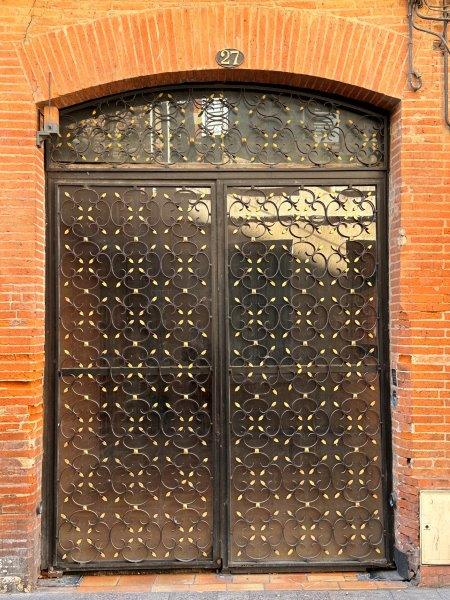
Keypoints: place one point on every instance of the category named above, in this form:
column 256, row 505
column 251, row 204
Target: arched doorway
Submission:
column 218, row 255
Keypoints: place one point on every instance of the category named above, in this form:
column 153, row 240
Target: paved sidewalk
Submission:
column 409, row 593
column 220, row 582
column 384, row 585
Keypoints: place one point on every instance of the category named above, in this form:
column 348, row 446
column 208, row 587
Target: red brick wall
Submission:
column 338, row 46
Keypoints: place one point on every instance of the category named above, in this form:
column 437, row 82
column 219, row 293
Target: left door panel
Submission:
column 135, row 375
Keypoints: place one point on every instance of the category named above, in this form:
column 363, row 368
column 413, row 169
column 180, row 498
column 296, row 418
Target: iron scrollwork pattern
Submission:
column 231, row 126
column 305, row 427
column 135, row 375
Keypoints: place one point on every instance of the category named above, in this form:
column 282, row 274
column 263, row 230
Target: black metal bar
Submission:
column 308, row 566
column 216, row 400
column 223, row 432
column 243, row 176
column 120, row 369
column 206, row 170
column 385, row 383
column 50, row 429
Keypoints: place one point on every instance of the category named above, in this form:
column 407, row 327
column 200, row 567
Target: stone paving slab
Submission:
column 409, row 593
column 192, row 582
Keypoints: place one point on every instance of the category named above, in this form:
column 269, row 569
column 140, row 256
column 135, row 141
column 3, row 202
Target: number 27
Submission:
column 230, row 57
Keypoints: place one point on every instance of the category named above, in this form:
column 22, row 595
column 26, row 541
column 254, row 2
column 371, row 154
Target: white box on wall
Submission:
column 435, row 527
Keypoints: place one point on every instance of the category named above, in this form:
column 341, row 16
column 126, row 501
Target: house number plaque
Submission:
column 229, row 58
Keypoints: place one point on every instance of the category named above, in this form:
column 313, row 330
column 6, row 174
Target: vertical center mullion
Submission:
column 220, row 313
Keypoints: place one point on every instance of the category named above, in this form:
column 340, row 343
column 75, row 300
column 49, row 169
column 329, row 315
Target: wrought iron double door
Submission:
column 219, row 372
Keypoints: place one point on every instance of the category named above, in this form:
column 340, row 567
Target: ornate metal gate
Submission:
column 220, row 348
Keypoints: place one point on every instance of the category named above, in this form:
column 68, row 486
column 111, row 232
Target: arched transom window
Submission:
column 221, row 126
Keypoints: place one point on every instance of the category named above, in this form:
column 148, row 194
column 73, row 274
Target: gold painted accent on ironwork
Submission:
column 301, row 261
column 129, row 436
column 229, row 126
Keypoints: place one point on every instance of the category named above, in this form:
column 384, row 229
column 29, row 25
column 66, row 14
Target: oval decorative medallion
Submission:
column 230, row 58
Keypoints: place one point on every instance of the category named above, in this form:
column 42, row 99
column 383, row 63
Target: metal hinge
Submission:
column 53, row 573
column 392, row 500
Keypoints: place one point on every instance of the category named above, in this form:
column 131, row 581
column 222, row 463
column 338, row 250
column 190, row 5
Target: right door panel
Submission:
column 306, row 472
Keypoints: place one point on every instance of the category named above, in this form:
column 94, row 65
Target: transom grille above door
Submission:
column 218, row 333
column 220, row 126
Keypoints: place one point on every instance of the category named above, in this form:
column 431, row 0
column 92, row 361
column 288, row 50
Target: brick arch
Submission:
column 173, row 45
column 169, row 46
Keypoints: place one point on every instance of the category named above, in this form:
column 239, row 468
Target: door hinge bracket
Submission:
column 53, row 573
column 392, row 500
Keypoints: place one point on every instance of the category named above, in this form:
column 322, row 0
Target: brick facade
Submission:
column 336, row 46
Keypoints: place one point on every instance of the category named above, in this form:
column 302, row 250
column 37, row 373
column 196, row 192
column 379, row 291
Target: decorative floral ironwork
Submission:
column 228, row 126
column 134, row 451
column 305, row 441
column 140, row 303
column 136, row 377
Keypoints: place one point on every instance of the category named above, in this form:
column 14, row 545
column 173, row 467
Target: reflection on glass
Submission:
column 230, row 126
column 304, row 396
column 135, row 393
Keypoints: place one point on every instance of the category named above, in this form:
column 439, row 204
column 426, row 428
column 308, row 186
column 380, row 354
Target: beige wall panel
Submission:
column 435, row 527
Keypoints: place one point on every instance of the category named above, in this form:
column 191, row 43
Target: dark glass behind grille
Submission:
column 228, row 127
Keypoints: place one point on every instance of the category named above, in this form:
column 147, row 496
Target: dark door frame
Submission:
column 219, row 178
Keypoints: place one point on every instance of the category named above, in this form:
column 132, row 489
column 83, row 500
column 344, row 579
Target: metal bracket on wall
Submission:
column 433, row 19
column 48, row 124
column 48, row 119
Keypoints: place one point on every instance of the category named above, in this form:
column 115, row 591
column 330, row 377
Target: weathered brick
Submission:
column 338, row 46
